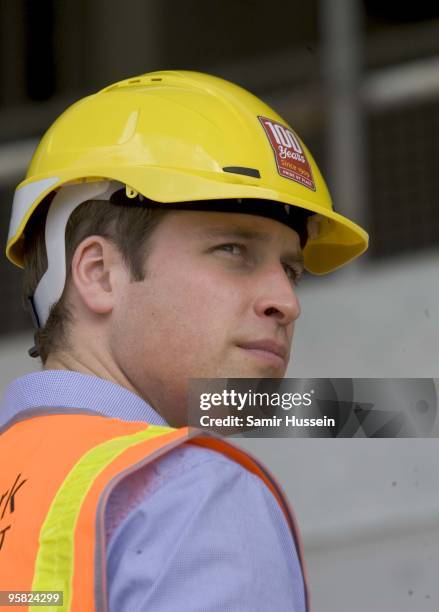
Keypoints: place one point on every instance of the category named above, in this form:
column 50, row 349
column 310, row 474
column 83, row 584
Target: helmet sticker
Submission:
column 290, row 157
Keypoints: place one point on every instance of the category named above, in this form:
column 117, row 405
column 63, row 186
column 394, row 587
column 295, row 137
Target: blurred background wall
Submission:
column 359, row 81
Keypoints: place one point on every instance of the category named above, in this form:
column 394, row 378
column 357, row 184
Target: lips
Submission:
column 267, row 346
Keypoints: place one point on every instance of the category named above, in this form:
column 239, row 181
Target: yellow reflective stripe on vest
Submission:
column 54, row 563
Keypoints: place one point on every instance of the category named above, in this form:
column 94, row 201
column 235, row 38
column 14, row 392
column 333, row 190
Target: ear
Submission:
column 96, row 273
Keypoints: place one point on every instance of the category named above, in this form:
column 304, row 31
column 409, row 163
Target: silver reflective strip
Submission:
column 24, row 198
column 51, row 285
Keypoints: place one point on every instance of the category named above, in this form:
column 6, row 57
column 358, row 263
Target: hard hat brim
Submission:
column 339, row 242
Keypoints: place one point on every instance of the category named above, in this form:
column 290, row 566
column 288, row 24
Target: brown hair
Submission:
column 127, row 223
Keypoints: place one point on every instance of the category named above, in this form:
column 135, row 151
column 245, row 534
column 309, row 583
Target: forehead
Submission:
column 201, row 225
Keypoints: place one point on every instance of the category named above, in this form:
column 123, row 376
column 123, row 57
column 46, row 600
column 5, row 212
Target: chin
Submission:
column 251, row 371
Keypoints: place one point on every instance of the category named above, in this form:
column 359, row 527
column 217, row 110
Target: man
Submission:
column 163, row 225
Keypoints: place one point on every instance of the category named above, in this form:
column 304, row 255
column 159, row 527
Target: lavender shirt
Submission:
column 191, row 532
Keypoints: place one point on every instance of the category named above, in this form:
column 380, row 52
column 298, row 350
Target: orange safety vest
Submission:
column 58, row 468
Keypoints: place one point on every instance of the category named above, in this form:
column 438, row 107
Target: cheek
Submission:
column 173, row 316
column 156, row 320
column 193, row 317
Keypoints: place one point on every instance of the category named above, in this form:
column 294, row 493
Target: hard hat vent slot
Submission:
column 141, row 81
column 243, row 170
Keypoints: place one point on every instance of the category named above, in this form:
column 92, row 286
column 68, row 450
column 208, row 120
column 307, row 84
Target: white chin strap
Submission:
column 51, row 285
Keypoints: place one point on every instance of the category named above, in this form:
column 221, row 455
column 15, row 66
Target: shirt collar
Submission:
column 70, row 389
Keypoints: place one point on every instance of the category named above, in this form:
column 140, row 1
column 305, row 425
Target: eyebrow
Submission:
column 248, row 234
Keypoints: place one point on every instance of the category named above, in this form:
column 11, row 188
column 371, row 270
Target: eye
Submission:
column 232, row 248
column 293, row 274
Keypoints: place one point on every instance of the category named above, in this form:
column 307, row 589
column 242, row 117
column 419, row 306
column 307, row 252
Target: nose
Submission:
column 277, row 298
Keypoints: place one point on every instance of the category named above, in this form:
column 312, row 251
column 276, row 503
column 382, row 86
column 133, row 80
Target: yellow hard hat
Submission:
column 182, row 136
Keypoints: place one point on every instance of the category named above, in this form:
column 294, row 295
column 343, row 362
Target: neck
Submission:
column 90, row 364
